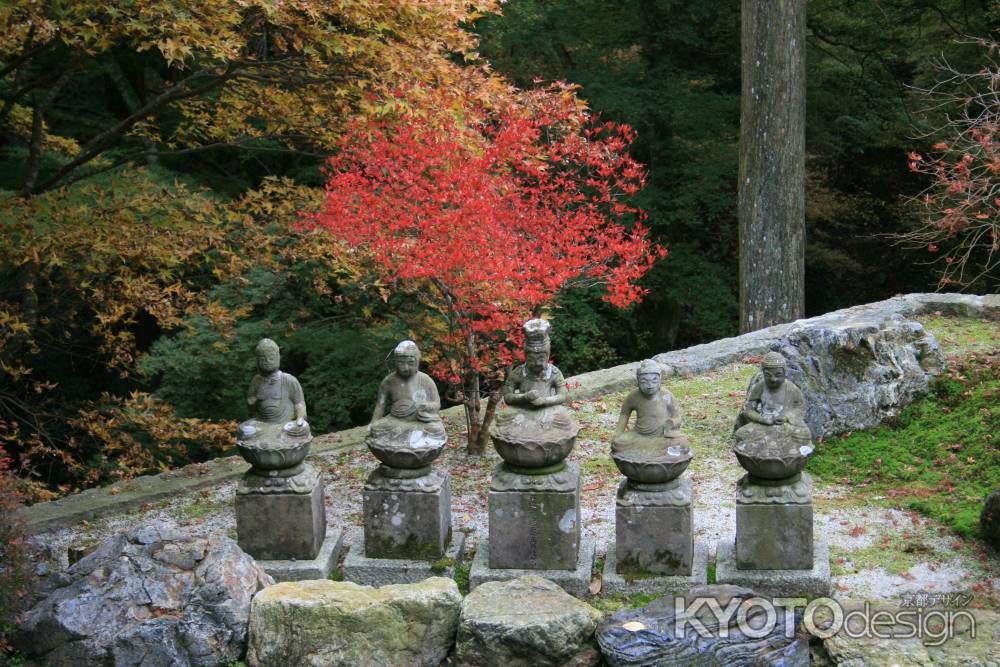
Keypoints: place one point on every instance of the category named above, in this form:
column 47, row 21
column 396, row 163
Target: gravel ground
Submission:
column 877, row 552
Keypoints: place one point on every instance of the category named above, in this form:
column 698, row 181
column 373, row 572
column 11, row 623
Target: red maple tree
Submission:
column 492, row 212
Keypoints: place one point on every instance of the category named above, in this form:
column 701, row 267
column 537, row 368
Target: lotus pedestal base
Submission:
column 281, row 518
column 407, row 513
column 653, row 531
column 534, row 519
column 774, row 524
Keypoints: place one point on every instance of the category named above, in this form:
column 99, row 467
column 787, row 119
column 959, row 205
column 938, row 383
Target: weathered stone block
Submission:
column 527, row 622
column 813, row 581
column 575, row 582
column 342, row 624
column 382, row 571
column 407, row 518
column 534, row 519
column 281, row 525
column 653, row 529
column 774, row 537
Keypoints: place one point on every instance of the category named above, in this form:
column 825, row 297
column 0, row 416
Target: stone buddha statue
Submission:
column 406, row 409
column 773, row 416
column 276, row 401
column 536, row 390
column 656, row 430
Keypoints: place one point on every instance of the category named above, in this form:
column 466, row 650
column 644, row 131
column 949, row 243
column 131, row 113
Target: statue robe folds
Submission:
column 412, row 421
column 655, row 433
column 274, row 397
column 787, row 403
column 521, row 421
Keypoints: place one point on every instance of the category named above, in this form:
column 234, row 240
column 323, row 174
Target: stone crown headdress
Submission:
column 536, row 335
column 774, row 360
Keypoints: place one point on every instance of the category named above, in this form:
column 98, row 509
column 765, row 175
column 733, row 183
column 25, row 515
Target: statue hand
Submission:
column 539, row 402
column 779, row 419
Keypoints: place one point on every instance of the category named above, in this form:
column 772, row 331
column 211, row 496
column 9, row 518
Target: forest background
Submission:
column 135, row 283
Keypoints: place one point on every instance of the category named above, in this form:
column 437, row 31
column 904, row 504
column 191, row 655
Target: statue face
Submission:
column 268, row 361
column 649, row 383
column 774, row 377
column 406, row 365
column 535, row 360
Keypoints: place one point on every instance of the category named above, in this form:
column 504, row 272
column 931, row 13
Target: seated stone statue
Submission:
column 276, row 400
column 773, row 416
column 534, row 392
column 406, row 409
column 656, row 431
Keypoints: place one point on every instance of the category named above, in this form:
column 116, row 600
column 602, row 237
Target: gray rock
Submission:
column 529, row 621
column 857, row 372
column 972, row 640
column 339, row 623
column 652, row 636
column 989, row 519
column 151, row 597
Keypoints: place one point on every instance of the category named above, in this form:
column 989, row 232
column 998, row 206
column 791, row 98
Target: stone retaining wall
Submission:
column 120, row 497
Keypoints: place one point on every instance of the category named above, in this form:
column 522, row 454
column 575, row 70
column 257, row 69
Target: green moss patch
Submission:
column 941, row 457
column 960, row 335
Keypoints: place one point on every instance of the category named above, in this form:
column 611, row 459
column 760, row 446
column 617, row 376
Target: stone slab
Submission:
column 535, row 528
column 282, row 526
column 319, row 567
column 774, row 537
column 815, row 581
column 407, row 518
column 382, row 571
column 658, row 584
column 575, row 582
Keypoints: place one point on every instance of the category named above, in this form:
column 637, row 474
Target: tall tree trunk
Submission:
column 772, row 163
column 473, row 404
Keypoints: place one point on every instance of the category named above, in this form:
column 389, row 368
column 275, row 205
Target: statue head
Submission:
column 537, row 347
column 649, row 375
column 268, row 357
column 774, row 369
column 407, row 358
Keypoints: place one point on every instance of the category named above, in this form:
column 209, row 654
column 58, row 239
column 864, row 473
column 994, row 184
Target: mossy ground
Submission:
column 941, row 456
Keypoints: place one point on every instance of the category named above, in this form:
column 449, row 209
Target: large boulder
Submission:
column 333, row 623
column 856, row 372
column 527, row 622
column 151, row 597
column 857, row 366
column 989, row 519
column 652, row 635
column 955, row 637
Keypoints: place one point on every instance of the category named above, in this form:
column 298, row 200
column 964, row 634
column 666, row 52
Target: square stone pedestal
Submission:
column 281, row 518
column 815, row 581
column 382, row 571
column 774, row 525
column 408, row 518
column 575, row 582
column 319, row 567
column 281, row 522
column 534, row 520
column 653, row 532
column 660, row 584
